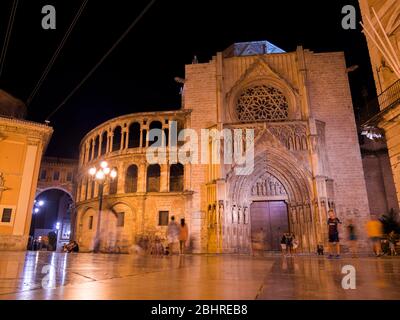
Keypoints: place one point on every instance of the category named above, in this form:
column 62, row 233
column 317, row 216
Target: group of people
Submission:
column 289, row 243
column 177, row 233
column 374, row 231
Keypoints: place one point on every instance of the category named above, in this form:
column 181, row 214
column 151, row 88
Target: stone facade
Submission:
column 22, row 144
column 387, row 80
column 306, row 154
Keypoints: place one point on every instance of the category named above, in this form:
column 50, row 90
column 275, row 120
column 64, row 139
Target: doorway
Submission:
column 269, row 220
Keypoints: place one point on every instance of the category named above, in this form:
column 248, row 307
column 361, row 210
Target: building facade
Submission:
column 297, row 110
column 381, row 20
column 57, row 188
column 22, row 144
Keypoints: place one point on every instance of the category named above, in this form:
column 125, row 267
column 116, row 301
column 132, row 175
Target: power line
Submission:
column 56, row 53
column 102, row 59
column 8, row 34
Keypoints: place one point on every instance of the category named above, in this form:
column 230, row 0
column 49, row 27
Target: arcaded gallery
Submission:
column 306, row 158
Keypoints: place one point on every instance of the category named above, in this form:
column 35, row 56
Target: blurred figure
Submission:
column 351, row 230
column 374, row 231
column 392, row 237
column 333, row 234
column 183, row 236
column 258, row 242
column 295, row 243
column 172, row 235
column 283, row 244
column 157, row 247
column 289, row 243
column 320, row 249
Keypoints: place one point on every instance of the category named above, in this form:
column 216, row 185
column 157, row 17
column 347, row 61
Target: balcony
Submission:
column 386, row 101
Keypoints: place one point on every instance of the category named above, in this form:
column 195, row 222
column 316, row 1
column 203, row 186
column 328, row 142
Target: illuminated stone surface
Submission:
column 88, row 276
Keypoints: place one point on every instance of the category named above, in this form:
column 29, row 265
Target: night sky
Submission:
column 139, row 75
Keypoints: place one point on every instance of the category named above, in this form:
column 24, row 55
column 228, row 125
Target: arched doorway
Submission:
column 51, row 219
column 117, row 230
column 275, row 197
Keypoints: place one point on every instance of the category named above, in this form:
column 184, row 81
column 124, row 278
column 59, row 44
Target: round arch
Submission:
column 40, row 191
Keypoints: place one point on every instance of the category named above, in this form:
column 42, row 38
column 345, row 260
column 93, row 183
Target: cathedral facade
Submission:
column 306, row 158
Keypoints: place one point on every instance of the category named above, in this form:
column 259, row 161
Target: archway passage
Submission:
column 51, row 214
column 269, row 220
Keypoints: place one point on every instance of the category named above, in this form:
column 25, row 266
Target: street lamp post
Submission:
column 101, row 176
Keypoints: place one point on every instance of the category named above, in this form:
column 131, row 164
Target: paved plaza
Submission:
column 45, row 275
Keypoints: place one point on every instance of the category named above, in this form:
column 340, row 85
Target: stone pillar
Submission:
column 142, row 174
column 164, row 178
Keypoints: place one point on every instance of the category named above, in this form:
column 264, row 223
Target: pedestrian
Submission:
column 183, row 236
column 289, row 243
column 75, row 248
column 351, row 229
column 333, row 234
column 172, row 234
column 374, row 231
column 392, row 237
column 283, row 244
column 295, row 243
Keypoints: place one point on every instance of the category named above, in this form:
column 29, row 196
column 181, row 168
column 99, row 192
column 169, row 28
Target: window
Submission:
column 6, row 215
column 103, row 148
column 92, row 186
column 134, row 135
column 90, row 226
column 131, row 179
column 43, row 175
column 117, row 139
column 153, row 178
column 56, row 175
column 262, row 103
column 163, row 217
column 120, row 219
column 69, row 176
column 176, row 178
column 114, row 184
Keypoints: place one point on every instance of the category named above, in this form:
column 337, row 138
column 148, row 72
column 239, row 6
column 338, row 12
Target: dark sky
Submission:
column 139, row 74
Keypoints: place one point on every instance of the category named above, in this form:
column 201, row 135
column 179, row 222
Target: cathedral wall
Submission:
column 331, row 103
column 201, row 98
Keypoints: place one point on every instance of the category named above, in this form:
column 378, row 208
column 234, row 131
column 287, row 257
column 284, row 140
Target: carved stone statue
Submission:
column 268, row 185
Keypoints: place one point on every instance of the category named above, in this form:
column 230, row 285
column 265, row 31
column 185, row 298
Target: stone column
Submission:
column 164, row 177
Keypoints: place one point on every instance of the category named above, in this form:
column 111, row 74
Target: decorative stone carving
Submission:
column 268, row 185
column 2, row 184
column 262, row 103
column 292, row 136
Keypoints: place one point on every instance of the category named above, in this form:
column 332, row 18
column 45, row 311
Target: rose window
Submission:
column 262, row 103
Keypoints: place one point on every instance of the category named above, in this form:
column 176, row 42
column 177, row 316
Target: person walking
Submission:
column 295, row 244
column 333, row 234
column 351, row 229
column 283, row 244
column 374, row 231
column 289, row 243
column 172, row 234
column 183, row 236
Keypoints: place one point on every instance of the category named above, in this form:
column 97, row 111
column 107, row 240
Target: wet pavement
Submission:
column 44, row 275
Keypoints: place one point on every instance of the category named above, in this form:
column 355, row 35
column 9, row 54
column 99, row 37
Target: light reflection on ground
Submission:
column 91, row 276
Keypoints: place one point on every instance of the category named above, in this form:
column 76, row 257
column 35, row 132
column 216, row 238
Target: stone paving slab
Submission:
column 100, row 276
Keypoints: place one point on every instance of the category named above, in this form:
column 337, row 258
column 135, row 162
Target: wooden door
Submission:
column 269, row 220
